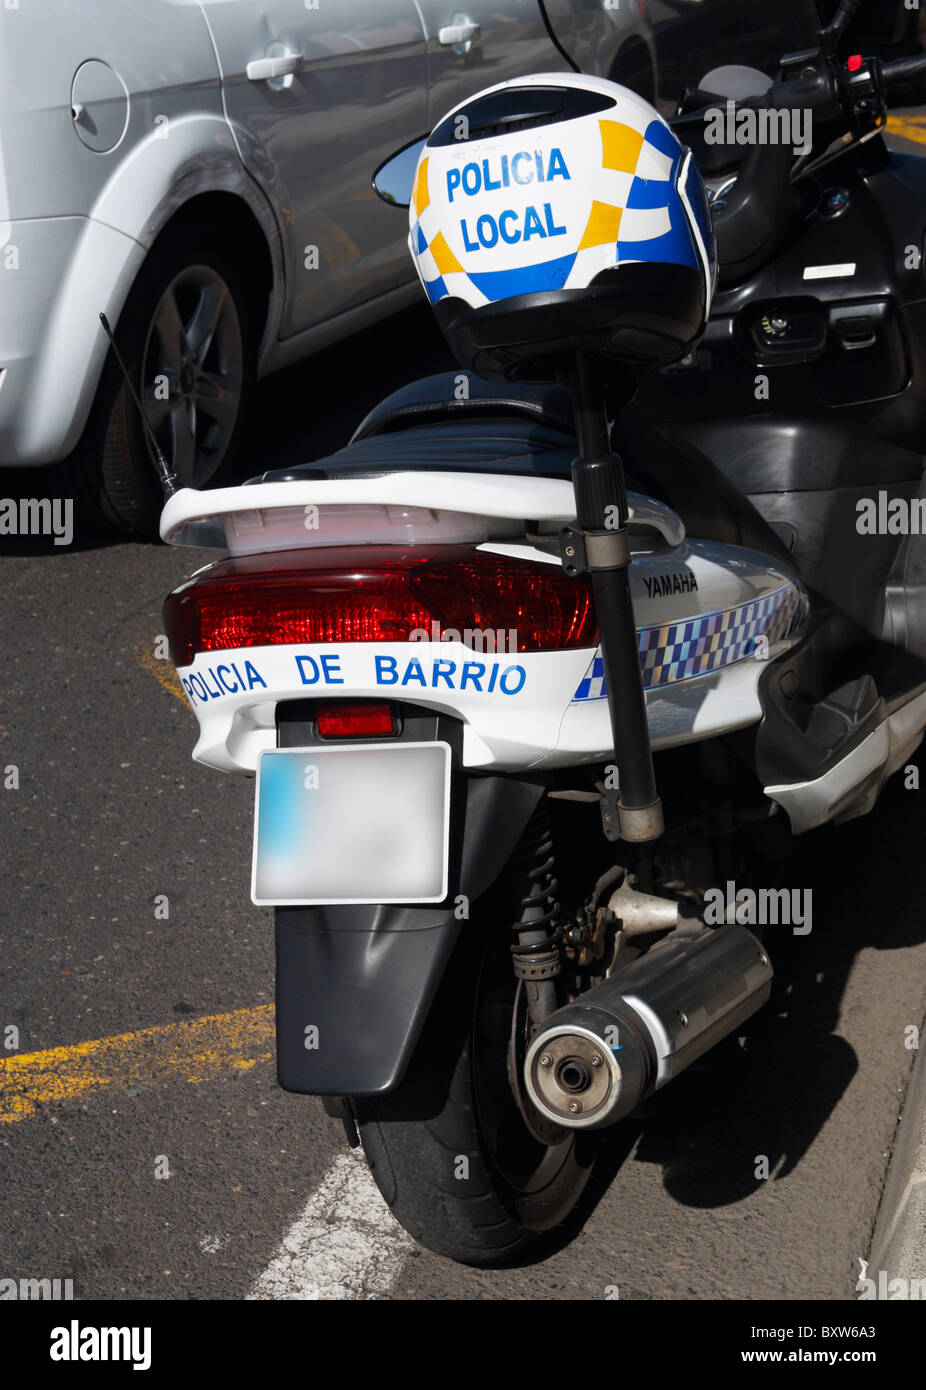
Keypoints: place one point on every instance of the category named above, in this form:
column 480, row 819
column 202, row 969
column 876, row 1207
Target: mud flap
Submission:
column 355, row 984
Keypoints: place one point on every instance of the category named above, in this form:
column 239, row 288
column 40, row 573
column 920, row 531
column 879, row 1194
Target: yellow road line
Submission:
column 162, row 671
column 193, row 1051
column 907, row 128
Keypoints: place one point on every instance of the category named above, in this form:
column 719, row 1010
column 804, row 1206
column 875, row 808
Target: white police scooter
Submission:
column 449, row 652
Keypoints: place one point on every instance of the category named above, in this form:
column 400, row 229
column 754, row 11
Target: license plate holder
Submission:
column 352, row 823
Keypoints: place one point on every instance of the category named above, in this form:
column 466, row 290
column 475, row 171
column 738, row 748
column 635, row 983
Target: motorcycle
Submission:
column 465, row 654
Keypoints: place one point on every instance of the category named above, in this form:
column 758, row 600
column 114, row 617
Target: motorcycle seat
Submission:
column 503, row 446
column 527, row 428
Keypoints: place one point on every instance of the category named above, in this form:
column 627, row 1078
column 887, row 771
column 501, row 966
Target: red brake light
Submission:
column 378, row 594
column 855, row 62
column 354, row 719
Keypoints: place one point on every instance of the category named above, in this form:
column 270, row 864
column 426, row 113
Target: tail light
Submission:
column 354, row 719
column 378, row 595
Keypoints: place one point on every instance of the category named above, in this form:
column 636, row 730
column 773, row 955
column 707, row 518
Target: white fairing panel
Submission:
column 262, row 517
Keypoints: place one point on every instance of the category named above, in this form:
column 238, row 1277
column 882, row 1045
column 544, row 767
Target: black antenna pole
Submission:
column 169, row 484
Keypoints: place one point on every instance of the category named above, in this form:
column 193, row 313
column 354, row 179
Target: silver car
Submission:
column 199, row 171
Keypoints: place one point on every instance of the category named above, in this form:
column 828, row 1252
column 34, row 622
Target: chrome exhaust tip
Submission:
column 575, row 1079
column 597, row 1058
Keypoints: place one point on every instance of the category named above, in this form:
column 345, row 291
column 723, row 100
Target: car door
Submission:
column 475, row 43
column 318, row 95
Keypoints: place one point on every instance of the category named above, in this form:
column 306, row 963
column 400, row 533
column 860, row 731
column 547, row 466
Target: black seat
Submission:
column 438, row 398
column 517, row 429
column 527, row 428
column 514, row 446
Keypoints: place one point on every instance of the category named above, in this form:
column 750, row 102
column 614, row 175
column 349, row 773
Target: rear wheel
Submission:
column 464, row 1161
column 186, row 340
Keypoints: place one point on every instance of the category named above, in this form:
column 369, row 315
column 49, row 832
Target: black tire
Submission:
column 456, row 1104
column 113, row 469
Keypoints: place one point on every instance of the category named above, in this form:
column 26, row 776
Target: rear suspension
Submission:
column 536, row 953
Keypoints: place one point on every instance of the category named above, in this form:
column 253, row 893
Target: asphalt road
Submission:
column 171, row 1166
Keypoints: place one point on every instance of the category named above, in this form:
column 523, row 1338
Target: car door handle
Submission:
column 264, row 69
column 462, row 30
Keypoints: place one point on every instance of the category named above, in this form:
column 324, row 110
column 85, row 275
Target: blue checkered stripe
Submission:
column 698, row 646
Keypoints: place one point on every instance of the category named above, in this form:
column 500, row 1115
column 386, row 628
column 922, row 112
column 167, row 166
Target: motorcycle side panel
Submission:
column 842, row 416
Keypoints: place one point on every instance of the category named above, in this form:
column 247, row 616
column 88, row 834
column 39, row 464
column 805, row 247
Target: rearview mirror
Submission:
column 393, row 180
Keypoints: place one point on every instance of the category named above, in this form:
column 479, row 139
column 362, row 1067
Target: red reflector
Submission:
column 380, row 594
column 354, row 719
column 855, row 62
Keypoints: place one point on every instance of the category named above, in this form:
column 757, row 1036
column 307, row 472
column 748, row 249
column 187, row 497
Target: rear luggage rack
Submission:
column 267, row 516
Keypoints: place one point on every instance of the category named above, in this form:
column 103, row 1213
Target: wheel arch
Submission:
column 189, row 170
column 243, row 241
column 131, row 219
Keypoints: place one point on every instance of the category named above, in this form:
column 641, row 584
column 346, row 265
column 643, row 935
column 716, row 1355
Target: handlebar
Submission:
column 763, row 204
column 901, row 70
column 849, row 99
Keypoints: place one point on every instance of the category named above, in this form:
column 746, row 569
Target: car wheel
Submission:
column 186, row 340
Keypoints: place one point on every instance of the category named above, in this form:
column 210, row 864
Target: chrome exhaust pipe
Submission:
column 596, row 1059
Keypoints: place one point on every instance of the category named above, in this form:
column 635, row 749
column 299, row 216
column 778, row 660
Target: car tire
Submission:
column 187, row 341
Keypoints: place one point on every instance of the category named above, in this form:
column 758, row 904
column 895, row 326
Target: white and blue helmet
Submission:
column 543, row 194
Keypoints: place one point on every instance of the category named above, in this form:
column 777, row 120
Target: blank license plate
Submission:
column 352, row 824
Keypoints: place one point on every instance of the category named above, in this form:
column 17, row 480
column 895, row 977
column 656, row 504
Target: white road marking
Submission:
column 345, row 1245
column 211, row 1245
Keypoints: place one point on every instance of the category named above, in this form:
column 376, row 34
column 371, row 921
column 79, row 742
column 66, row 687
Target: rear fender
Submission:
column 355, row 983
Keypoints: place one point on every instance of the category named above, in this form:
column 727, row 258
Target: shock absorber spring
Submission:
column 536, row 953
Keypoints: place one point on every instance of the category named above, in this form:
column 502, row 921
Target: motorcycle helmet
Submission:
column 560, row 212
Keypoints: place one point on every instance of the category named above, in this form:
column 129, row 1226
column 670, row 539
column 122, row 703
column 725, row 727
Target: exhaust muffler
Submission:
column 596, row 1059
